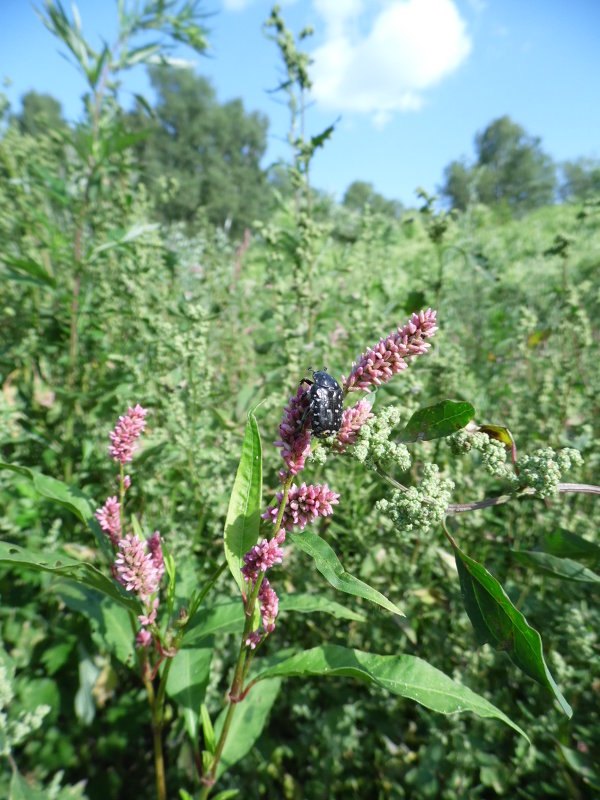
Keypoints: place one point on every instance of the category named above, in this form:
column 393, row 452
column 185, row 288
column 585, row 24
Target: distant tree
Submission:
column 458, row 184
column 40, row 114
column 361, row 193
column 510, row 169
column 581, row 179
column 212, row 151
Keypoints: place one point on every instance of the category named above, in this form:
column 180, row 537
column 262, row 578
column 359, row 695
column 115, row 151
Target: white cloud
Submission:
column 409, row 46
column 236, row 5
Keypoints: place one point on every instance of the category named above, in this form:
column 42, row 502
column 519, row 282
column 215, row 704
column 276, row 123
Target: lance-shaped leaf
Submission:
column 433, row 422
column 403, row 675
column 29, row 270
column 229, row 617
column 565, row 544
column 243, row 516
column 563, row 568
column 497, row 621
column 63, row 566
column 247, row 724
column 330, row 567
column 70, row 498
column 187, row 682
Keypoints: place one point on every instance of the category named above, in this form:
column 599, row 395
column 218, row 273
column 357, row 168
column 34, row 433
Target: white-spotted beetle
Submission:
column 325, row 403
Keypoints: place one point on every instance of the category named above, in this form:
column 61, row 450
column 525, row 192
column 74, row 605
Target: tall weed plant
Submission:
column 144, row 644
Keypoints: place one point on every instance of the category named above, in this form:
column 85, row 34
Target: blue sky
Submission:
column 411, row 81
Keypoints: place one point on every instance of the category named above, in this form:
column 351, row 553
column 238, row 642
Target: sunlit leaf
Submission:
column 330, row 567
column 243, row 516
column 403, row 675
column 63, row 566
column 499, row 433
column 433, row 422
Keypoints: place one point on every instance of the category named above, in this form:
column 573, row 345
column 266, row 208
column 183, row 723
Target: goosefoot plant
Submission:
column 173, row 645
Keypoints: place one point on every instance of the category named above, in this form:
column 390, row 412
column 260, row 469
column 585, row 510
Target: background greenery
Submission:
column 174, row 273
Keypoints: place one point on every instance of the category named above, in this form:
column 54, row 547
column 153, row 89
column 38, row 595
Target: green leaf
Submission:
column 28, row 266
column 187, row 682
column 565, row 544
column 229, row 617
column 70, row 498
column 497, row 621
column 243, row 516
column 113, row 627
column 433, row 422
column 247, row 723
column 309, row 603
column 210, row 741
column 330, row 567
column 403, row 675
column 142, row 53
column 21, row 790
column 222, row 618
column 85, row 706
column 63, row 566
column 582, row 766
column 563, row 568
column 498, row 432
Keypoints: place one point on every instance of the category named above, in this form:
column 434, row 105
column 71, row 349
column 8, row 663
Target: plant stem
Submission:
column 235, row 694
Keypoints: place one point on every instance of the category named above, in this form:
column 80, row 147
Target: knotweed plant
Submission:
column 173, row 658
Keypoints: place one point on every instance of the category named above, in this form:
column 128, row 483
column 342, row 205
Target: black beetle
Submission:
column 325, row 403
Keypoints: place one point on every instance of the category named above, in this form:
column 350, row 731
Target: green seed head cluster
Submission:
column 420, row 506
column 319, row 450
column 374, row 448
column 493, row 452
column 543, row 469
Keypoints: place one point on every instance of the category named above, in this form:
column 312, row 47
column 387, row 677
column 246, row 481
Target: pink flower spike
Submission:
column 305, row 504
column 253, row 639
column 294, row 437
column 126, row 431
column 135, row 568
column 269, row 606
column 352, row 421
column 262, row 557
column 154, row 546
column 380, row 363
column 109, row 517
column 143, row 639
column 150, row 617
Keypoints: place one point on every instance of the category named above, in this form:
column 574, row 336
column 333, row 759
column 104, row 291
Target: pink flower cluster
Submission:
column 269, row 608
column 294, row 437
column 139, row 564
column 109, row 517
column 263, row 556
column 378, row 364
column 304, row 505
column 352, row 421
column 259, row 559
column 126, row 431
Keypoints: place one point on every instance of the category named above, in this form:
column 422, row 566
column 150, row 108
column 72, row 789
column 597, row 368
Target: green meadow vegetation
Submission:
column 437, row 634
